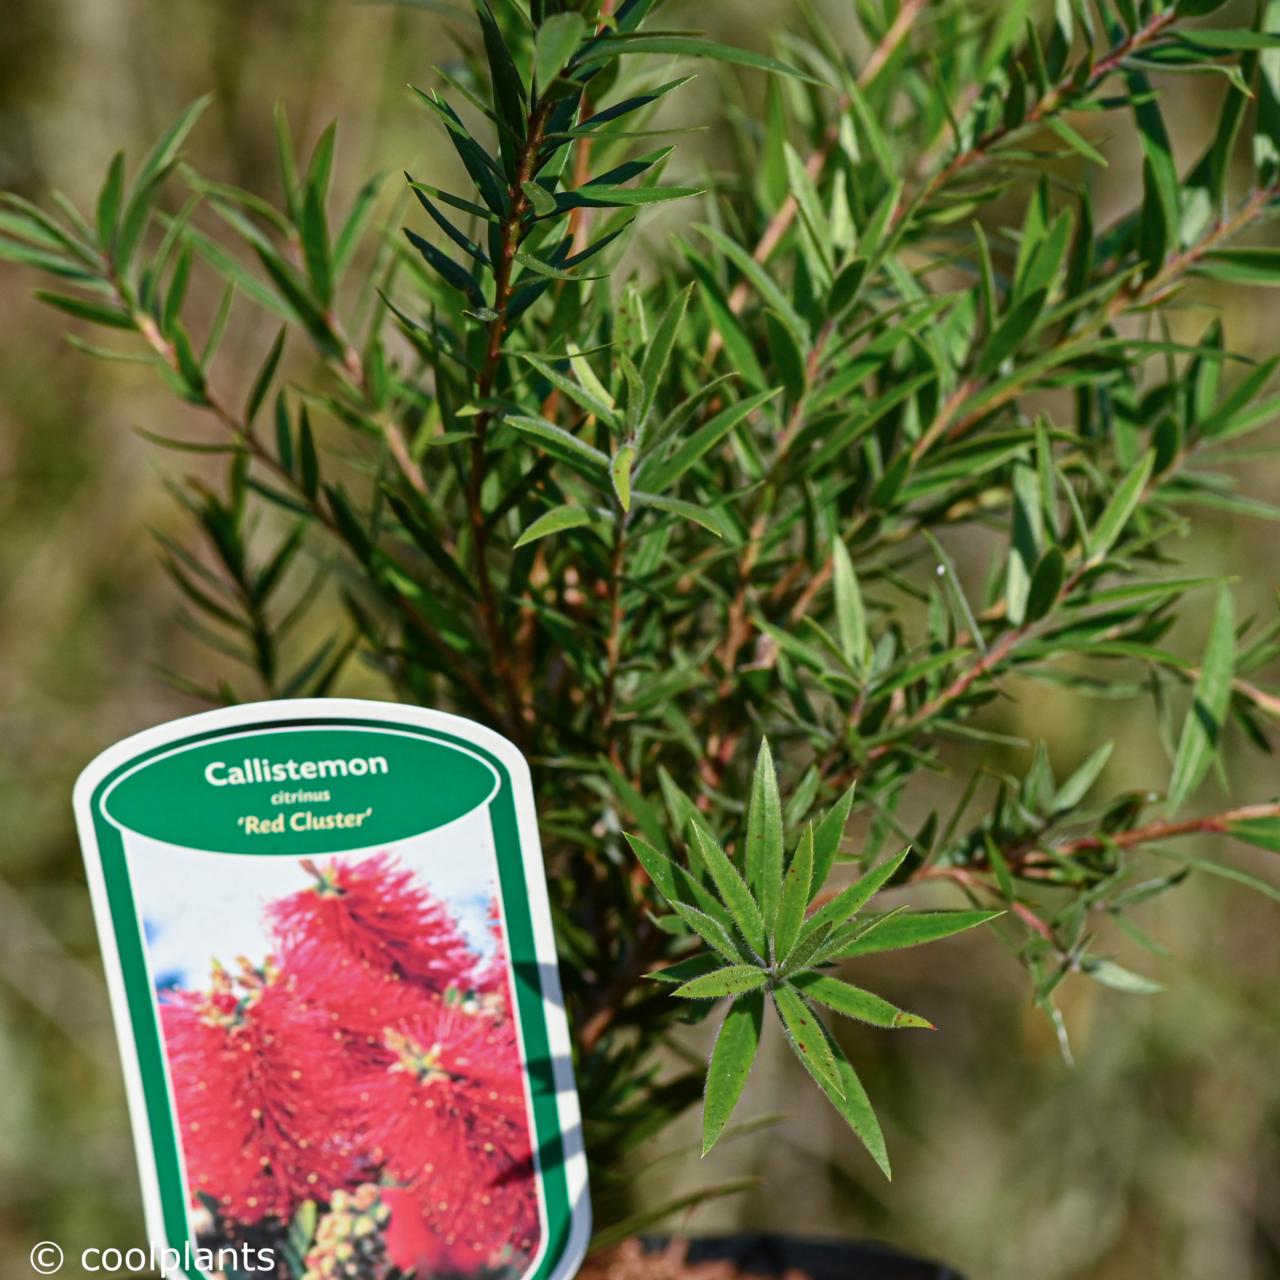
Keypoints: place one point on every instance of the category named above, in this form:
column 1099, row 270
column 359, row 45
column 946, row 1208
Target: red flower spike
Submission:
column 449, row 1119
column 412, row 1247
column 257, row 1089
column 366, row 941
column 381, row 1047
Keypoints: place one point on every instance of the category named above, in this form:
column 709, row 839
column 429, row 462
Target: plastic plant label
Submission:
column 329, row 950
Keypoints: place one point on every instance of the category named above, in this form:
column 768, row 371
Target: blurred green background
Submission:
column 1157, row 1157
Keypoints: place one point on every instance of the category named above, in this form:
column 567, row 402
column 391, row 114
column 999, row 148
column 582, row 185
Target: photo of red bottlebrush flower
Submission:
column 356, row 1098
column 258, row 1089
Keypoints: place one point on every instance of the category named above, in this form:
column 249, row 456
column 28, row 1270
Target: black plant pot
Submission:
column 819, row 1259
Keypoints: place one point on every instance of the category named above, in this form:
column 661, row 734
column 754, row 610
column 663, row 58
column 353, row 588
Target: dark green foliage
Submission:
column 637, row 521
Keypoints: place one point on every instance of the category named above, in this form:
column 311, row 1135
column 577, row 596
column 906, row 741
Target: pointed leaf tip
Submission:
column 764, row 836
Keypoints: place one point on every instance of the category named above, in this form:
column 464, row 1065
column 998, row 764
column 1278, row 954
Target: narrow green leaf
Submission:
column 763, row 860
column 678, row 507
column 658, row 351
column 808, row 1038
column 1227, row 41
column 1257, row 266
column 913, row 929
column 452, row 272
column 850, row 1099
column 166, row 147
column 556, row 41
column 1046, row 583
column 112, row 317
column 1010, row 332
column 262, row 383
column 286, row 160
column 662, row 474
column 735, row 1050
column 581, row 395
column 156, row 166
column 507, row 87
column 660, row 868
column 587, row 377
column 1079, row 145
column 320, row 168
column 709, row 929
column 675, row 974
column 609, row 196
column 1266, row 138
column 316, row 250
column 855, row 897
column 846, row 287
column 1119, row 978
column 1162, row 186
column 1211, row 699
column 733, row 891
column 1224, row 871
column 308, row 462
column 563, row 443
column 620, row 471
column 605, row 50
column 854, row 1002
column 796, row 892
column 556, row 520
column 762, row 280
column 732, row 980
column 1261, row 832
column 851, row 616
column 1026, row 543
column 810, row 946
column 348, row 238
column 827, row 837
column 1118, row 512
column 1000, row 865
column 109, row 198
column 541, row 200
column 1076, row 787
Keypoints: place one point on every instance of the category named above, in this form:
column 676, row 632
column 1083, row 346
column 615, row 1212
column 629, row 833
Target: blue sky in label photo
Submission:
column 197, row 907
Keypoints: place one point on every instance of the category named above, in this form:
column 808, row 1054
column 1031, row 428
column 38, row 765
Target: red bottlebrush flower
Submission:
column 412, row 1247
column 447, row 1119
column 366, row 941
column 257, row 1085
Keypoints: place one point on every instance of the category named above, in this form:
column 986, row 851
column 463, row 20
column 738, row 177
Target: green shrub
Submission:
column 891, row 426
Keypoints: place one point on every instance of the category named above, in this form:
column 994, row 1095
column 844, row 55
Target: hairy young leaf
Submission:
column 732, row 980
column 796, row 892
column 733, row 891
column 853, row 1002
column 915, row 929
column 735, row 1050
column 808, row 1038
column 764, row 835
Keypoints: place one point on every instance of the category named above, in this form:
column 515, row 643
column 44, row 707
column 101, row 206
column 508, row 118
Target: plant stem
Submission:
column 1212, row 824
column 511, row 232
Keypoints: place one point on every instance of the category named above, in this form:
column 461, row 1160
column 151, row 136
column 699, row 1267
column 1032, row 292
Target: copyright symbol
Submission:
column 46, row 1258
